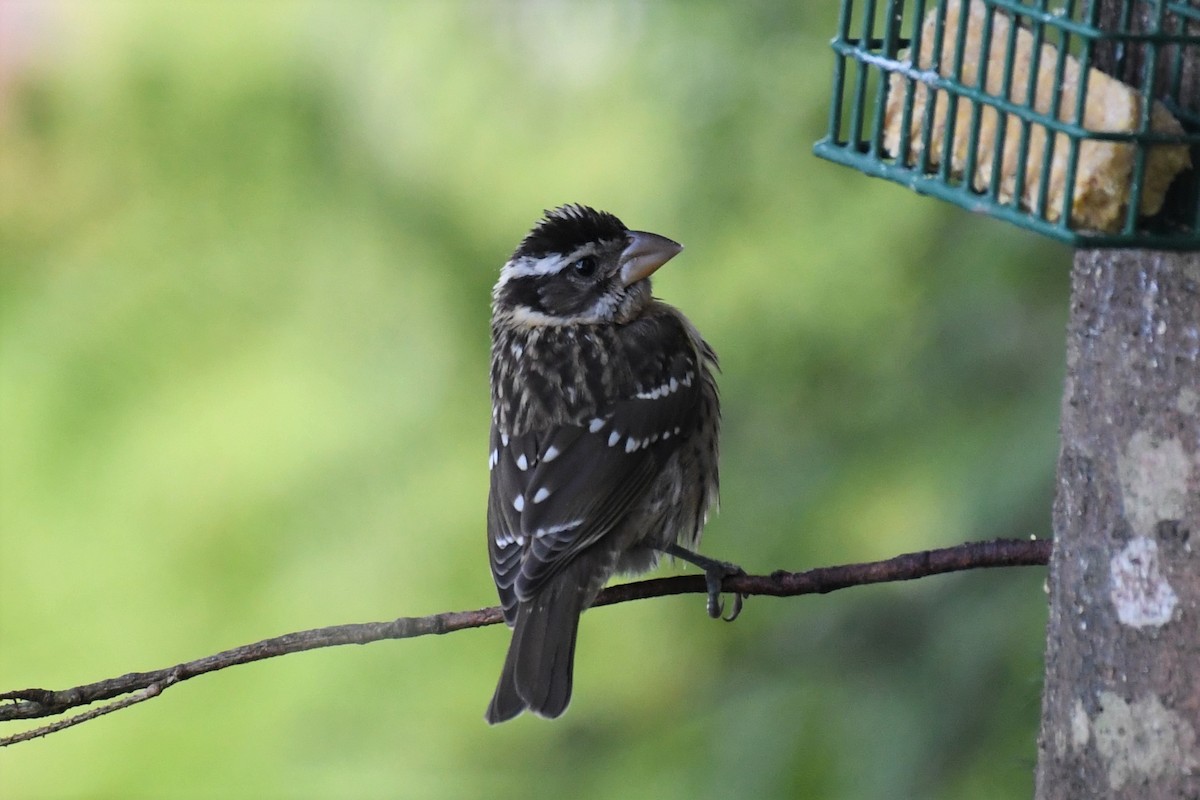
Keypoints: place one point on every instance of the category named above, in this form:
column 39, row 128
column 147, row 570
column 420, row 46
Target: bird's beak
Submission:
column 645, row 253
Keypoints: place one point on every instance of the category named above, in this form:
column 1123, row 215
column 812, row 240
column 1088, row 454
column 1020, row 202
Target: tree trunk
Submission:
column 1121, row 704
column 1121, row 701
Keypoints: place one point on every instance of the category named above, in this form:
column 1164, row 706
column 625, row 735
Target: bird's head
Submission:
column 580, row 266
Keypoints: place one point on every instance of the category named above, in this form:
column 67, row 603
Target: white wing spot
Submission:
column 519, row 502
column 595, row 425
column 631, row 444
column 493, row 459
column 541, row 495
column 674, row 384
column 553, row 529
column 504, row 439
column 613, row 438
column 678, row 430
column 517, row 350
column 666, row 435
column 522, row 462
column 551, row 453
column 520, row 541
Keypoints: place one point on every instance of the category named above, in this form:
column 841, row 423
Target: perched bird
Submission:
column 605, row 421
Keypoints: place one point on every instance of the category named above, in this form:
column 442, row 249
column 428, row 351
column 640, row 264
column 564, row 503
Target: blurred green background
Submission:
column 246, row 252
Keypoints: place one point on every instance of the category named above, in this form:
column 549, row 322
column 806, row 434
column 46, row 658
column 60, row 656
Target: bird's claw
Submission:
column 714, row 575
column 715, row 572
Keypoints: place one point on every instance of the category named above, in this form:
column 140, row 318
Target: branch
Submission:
column 141, row 686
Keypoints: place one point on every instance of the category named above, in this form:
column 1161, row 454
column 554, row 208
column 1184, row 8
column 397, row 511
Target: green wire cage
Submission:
column 1029, row 111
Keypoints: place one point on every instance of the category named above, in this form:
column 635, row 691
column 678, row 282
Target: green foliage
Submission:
column 245, row 260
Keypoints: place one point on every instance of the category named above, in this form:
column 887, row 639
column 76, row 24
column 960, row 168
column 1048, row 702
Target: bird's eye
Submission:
column 585, row 267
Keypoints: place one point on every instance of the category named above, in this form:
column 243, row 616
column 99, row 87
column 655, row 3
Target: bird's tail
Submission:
column 538, row 670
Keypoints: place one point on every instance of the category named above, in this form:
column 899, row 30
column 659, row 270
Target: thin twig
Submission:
column 153, row 690
column 38, row 703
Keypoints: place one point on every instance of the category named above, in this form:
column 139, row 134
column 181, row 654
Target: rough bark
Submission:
column 1121, row 701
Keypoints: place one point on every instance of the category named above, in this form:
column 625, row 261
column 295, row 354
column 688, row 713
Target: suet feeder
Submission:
column 997, row 106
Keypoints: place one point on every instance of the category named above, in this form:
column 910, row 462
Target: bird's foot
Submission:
column 715, row 572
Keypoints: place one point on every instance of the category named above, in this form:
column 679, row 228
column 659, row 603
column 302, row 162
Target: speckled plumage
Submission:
column 604, row 437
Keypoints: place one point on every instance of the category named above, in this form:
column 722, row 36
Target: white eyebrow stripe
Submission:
column 547, row 264
column 528, row 266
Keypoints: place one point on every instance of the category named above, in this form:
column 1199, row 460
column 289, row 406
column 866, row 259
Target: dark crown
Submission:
column 568, row 227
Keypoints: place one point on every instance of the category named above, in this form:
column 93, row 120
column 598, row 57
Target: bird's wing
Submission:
column 555, row 492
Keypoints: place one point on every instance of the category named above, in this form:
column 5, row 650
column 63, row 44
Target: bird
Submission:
column 603, row 444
